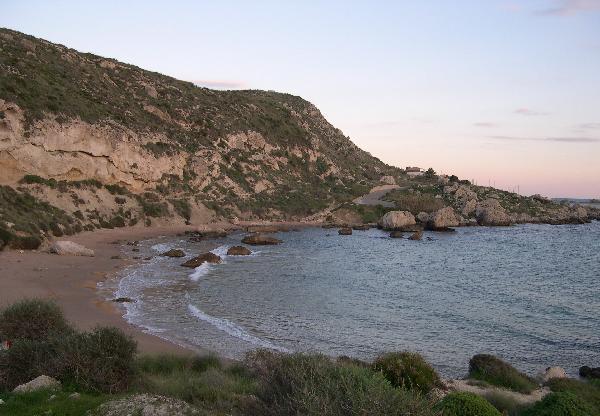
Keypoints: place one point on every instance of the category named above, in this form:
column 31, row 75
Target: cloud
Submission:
column 588, row 126
column 548, row 139
column 570, row 7
column 485, row 124
column 219, row 84
column 529, row 112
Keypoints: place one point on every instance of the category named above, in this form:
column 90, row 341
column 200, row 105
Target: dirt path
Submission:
column 520, row 398
column 374, row 197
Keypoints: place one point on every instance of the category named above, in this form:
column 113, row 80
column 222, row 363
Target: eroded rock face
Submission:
column 260, row 240
column 238, row 251
column 203, row 258
column 442, row 219
column 397, row 220
column 69, row 248
column 38, row 383
column 491, row 213
column 469, row 207
column 423, row 217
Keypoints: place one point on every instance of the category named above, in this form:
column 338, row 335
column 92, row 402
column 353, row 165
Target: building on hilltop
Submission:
column 414, row 171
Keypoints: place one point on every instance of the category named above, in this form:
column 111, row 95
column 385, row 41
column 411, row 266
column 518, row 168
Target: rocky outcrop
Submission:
column 260, row 240
column 69, row 248
column 203, row 258
column 238, row 251
column 345, row 231
column 174, row 252
column 145, row 405
column 553, row 372
column 363, row 227
column 397, row 220
column 468, row 207
column 443, row 219
column 38, row 383
column 388, row 180
column 491, row 213
column 396, row 234
column 423, row 217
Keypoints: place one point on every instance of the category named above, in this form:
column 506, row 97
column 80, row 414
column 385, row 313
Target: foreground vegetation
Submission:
column 100, row 368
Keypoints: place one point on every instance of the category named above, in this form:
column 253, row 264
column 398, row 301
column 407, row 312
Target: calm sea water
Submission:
column 528, row 293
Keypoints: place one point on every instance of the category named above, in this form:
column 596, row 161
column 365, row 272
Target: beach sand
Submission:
column 71, row 281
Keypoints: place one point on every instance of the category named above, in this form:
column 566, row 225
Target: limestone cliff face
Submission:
column 109, row 144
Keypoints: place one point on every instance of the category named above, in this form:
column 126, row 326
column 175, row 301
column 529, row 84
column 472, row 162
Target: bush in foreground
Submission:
column 301, row 384
column 44, row 344
column 586, row 391
column 494, row 371
column 32, row 319
column 560, row 404
column 465, row 404
column 407, row 370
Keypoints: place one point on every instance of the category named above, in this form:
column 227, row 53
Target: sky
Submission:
column 500, row 92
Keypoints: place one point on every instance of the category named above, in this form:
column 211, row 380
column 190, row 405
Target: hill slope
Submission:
column 68, row 116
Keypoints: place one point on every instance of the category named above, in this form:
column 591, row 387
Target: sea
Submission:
column 529, row 294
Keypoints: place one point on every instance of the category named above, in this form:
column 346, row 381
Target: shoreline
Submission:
column 72, row 281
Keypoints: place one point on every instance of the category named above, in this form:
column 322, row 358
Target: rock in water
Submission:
column 238, row 251
column 396, row 220
column 174, row 252
column 69, row 248
column 260, row 240
column 364, row 227
column 423, row 217
column 41, row 382
column 416, row 236
column 490, row 212
column 396, row 234
column 345, row 231
column 588, row 372
column 203, row 258
column 442, row 219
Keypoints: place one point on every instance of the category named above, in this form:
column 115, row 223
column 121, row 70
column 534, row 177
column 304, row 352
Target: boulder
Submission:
column 69, row 248
column 388, row 180
column 202, row 258
column 490, row 212
column 442, row 219
column 174, row 252
column 123, row 300
column 396, row 234
column 469, row 207
column 238, row 251
column 423, row 217
column 345, row 231
column 397, row 220
column 41, row 382
column 260, row 240
column 553, row 372
column 417, row 235
column 589, row 372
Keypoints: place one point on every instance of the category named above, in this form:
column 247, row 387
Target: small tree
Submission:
column 430, row 173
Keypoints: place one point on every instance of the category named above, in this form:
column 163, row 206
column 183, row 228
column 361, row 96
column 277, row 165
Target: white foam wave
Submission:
column 200, row 271
column 221, row 251
column 233, row 329
column 161, row 247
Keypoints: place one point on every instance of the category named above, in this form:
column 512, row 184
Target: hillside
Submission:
column 75, row 122
column 88, row 142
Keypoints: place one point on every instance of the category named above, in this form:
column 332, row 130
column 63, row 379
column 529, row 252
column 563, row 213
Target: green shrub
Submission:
column 465, row 404
column 505, row 402
column 407, row 370
column 35, row 179
column 28, row 359
column 115, row 189
column 493, row 370
column 587, row 391
column 101, row 360
column 32, row 319
column 301, row 384
column 39, row 403
column 182, row 207
column 560, row 404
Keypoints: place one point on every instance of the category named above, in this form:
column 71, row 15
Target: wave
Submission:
column 233, row 329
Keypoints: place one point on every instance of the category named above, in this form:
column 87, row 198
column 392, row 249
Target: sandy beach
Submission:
column 72, row 281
